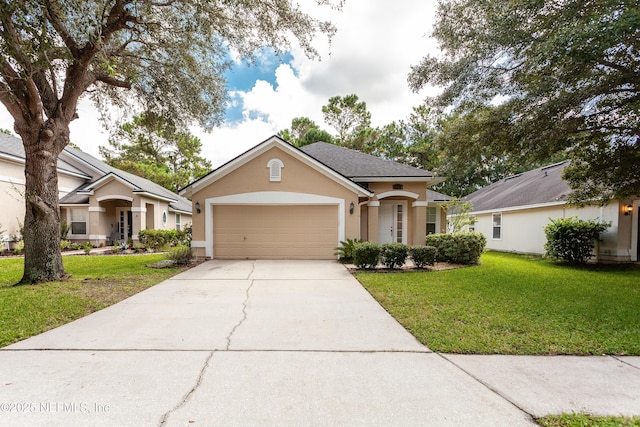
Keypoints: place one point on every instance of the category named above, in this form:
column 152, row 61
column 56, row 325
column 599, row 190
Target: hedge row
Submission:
column 457, row 248
column 392, row 255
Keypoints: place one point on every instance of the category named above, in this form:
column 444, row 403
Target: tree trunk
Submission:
column 43, row 258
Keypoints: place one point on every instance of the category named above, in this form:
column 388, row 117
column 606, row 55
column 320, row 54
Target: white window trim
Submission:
column 164, row 218
column 493, row 226
column 86, row 221
column 275, row 170
column 178, row 221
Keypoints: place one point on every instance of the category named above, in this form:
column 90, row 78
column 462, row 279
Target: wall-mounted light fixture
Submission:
column 351, row 208
column 197, row 207
column 628, row 209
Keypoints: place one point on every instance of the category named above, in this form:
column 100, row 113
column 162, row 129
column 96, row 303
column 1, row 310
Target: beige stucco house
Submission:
column 278, row 201
column 513, row 212
column 100, row 204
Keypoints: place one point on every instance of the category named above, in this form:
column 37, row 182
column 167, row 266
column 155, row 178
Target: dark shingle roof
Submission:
column 12, row 146
column 543, row 185
column 354, row 164
column 139, row 184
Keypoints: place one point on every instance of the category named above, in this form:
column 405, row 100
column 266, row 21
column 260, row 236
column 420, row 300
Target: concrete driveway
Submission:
column 245, row 343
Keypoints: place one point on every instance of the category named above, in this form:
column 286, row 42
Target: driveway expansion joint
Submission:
column 190, row 393
column 618, row 359
column 489, row 387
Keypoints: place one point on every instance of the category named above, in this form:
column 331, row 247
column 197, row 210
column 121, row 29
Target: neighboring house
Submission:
column 278, row 201
column 100, row 204
column 513, row 212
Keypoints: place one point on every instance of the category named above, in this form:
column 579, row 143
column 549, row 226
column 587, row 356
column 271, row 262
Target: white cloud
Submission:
column 370, row 56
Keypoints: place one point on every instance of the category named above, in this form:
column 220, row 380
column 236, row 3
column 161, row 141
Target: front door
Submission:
column 125, row 220
column 392, row 221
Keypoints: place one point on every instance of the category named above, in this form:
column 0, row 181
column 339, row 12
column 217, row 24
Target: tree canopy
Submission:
column 153, row 147
column 561, row 77
column 162, row 56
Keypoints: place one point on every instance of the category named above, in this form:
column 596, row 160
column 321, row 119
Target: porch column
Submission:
column 372, row 223
column 139, row 215
column 419, row 222
column 95, row 229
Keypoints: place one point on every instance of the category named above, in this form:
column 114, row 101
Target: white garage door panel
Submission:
column 272, row 232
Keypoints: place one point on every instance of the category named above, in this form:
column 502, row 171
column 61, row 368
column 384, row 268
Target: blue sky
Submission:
column 371, row 55
column 242, row 77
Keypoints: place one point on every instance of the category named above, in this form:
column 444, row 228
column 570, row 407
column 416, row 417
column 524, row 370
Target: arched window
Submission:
column 275, row 170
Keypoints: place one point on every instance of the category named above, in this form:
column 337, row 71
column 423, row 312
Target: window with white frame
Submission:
column 78, row 221
column 275, row 170
column 178, row 224
column 164, row 218
column 432, row 215
column 497, row 226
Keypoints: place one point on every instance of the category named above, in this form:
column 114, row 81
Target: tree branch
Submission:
column 60, row 28
column 104, row 78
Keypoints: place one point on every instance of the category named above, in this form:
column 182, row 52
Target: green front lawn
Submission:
column 514, row 304
column 96, row 282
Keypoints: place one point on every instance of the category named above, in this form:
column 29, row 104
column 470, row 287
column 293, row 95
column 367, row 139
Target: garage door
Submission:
column 275, row 232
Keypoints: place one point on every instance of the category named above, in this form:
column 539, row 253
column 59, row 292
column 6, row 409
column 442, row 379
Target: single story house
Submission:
column 278, row 201
column 513, row 212
column 100, row 204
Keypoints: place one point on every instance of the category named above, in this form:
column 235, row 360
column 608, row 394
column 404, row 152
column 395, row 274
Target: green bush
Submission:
column 345, row 250
column 366, row 254
column 458, row 248
column 572, row 240
column 64, row 244
column 86, row 247
column 19, row 248
column 181, row 254
column 394, row 255
column 158, row 239
column 423, row 255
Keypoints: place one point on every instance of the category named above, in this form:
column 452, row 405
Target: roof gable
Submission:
column 263, row 147
column 538, row 186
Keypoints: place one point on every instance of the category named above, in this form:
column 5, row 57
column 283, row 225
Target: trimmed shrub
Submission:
column 366, row 254
column 572, row 240
column 458, row 248
column 394, row 255
column 423, row 255
column 180, row 255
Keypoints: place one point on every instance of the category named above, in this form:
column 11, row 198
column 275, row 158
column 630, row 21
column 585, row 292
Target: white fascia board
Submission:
column 180, row 211
column 425, row 179
column 518, row 208
column 154, row 196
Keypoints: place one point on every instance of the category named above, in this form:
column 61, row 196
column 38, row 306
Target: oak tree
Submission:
column 166, row 56
column 564, row 74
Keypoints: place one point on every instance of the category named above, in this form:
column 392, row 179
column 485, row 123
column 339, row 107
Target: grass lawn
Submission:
column 514, row 304
column 96, row 282
column 584, row 420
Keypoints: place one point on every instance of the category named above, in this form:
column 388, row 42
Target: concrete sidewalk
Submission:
column 283, row 343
